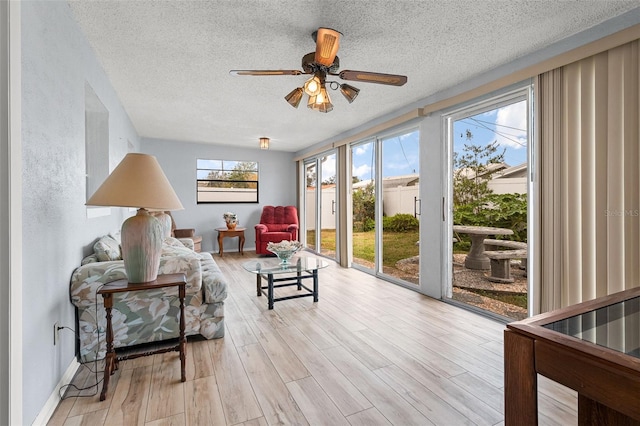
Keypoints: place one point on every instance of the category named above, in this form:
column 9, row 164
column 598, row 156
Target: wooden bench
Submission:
column 501, row 264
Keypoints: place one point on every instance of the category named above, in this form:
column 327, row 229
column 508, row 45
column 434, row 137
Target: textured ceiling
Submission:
column 169, row 61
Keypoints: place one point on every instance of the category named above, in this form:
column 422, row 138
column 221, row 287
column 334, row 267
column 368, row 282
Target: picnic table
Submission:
column 476, row 258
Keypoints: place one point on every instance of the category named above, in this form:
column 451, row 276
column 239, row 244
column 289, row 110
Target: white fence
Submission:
column 400, row 199
column 396, row 200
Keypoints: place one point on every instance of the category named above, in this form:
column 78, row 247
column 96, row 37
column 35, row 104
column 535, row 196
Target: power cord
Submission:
column 95, row 370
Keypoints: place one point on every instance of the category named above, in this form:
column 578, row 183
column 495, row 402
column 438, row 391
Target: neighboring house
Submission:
column 510, row 180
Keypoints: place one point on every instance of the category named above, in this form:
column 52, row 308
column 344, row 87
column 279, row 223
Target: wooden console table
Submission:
column 226, row 232
column 592, row 348
column 120, row 286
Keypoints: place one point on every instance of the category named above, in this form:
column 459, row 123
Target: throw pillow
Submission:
column 106, row 249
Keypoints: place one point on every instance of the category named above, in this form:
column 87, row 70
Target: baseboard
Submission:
column 52, row 403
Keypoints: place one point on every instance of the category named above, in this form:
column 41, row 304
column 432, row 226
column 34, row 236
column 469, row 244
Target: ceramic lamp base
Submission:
column 142, row 237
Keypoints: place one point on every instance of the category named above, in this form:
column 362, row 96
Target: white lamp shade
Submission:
column 138, row 181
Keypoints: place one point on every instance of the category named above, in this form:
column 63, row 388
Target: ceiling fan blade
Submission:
column 373, row 77
column 327, row 43
column 265, row 72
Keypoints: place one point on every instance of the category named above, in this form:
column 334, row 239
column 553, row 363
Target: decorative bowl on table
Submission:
column 284, row 250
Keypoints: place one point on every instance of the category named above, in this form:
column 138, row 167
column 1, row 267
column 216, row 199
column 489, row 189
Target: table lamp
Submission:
column 138, row 181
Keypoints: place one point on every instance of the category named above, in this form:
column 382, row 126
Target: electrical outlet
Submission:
column 56, row 334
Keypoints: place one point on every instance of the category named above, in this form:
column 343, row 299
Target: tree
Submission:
column 473, row 171
column 364, row 207
column 242, row 171
column 330, row 180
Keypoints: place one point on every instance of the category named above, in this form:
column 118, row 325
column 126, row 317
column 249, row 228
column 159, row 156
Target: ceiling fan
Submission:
column 322, row 63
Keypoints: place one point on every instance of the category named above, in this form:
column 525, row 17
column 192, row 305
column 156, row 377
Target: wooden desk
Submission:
column 121, row 286
column 225, row 232
column 592, row 348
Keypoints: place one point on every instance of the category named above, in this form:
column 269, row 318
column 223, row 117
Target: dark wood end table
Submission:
column 226, row 232
column 591, row 347
column 120, row 286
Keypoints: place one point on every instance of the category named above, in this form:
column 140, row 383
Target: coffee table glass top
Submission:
column 615, row 326
column 273, row 265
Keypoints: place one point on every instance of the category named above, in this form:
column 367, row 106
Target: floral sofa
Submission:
column 148, row 315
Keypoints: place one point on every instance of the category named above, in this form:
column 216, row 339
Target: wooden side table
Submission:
column 225, row 232
column 120, row 286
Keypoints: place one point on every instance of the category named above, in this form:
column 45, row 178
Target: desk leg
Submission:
column 183, row 339
column 270, row 290
column 110, row 358
column 476, row 258
column 220, row 239
column 520, row 381
column 241, row 243
column 315, row 285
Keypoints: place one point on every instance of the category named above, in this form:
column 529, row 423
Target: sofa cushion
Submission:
column 107, row 249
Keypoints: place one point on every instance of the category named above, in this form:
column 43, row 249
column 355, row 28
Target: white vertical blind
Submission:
column 589, row 120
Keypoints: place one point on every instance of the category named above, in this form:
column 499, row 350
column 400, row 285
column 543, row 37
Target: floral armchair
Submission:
column 276, row 224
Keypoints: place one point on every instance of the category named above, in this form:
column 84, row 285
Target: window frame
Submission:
column 240, row 192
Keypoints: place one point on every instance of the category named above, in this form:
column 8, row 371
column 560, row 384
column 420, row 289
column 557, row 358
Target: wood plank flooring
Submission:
column 368, row 353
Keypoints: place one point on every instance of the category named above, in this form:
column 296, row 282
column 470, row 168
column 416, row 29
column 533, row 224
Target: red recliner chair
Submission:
column 276, row 224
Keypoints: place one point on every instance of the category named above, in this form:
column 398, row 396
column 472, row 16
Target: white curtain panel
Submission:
column 588, row 128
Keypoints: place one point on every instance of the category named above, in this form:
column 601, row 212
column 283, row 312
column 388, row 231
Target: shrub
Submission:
column 400, row 222
column 499, row 210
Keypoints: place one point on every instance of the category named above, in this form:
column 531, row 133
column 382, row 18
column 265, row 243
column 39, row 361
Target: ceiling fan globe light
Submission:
column 312, row 86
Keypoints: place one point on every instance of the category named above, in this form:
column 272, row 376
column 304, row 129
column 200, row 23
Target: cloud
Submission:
column 511, row 125
column 363, row 171
column 328, row 169
column 362, row 149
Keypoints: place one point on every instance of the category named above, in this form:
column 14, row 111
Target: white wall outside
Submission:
column 508, row 185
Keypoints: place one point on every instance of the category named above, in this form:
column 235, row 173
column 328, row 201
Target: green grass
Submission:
column 395, row 245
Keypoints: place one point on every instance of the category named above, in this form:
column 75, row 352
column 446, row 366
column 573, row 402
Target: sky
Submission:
column 506, row 125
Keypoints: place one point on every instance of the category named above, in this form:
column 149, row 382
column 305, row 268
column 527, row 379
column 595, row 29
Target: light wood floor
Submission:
column 367, row 353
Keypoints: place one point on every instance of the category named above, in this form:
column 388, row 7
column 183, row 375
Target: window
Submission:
column 96, row 118
column 226, row 181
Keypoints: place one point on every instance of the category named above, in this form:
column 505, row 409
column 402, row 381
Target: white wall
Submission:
column 56, row 62
column 277, row 187
column 508, row 185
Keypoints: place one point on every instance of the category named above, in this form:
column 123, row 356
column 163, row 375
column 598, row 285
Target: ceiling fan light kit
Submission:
column 312, row 86
column 294, row 97
column 324, row 61
column 349, row 91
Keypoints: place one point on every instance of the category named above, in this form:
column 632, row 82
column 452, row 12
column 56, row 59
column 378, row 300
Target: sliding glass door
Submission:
column 489, row 181
column 321, row 204
column 385, row 206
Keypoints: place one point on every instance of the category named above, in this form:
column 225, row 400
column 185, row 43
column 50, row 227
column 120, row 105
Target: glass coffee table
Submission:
column 295, row 272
